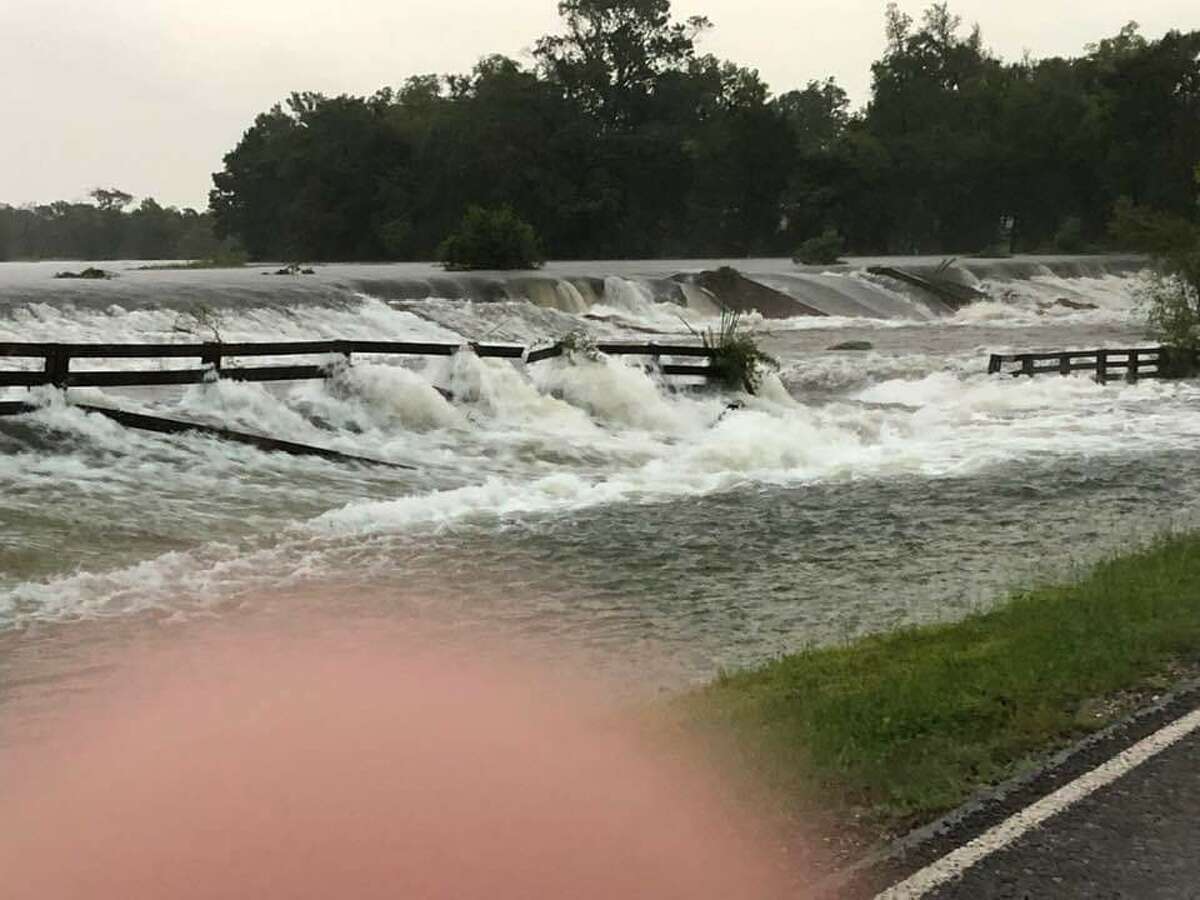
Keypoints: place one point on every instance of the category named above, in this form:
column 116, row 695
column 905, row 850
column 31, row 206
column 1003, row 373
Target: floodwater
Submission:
column 585, row 508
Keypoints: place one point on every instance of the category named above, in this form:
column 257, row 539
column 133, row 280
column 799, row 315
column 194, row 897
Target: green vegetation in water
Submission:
column 227, row 257
column 491, row 239
column 824, row 250
column 191, row 265
column 900, row 727
column 200, row 320
column 579, row 345
column 738, row 363
column 1171, row 297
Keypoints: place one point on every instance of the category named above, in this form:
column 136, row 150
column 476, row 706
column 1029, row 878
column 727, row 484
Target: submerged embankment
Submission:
column 591, row 504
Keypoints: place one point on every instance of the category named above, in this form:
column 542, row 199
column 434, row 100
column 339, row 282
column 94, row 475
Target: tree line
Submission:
column 109, row 227
column 620, row 138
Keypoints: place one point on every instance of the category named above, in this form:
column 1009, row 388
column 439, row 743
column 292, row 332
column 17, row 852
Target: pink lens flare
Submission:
column 359, row 767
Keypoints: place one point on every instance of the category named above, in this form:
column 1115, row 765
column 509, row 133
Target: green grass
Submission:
column 894, row 729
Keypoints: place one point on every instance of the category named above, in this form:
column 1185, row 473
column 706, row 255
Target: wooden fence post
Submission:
column 995, row 364
column 1135, row 361
column 1064, row 365
column 1027, row 366
column 58, row 365
column 210, row 355
column 1102, row 366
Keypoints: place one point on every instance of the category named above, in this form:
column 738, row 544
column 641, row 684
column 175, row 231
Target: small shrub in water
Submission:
column 1172, row 308
column 227, row 255
column 821, row 251
column 1170, row 298
column 737, row 362
column 200, row 321
column 491, row 239
column 578, row 345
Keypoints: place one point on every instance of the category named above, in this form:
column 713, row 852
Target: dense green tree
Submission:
column 613, row 53
column 491, row 239
column 936, row 99
column 111, row 199
column 310, row 179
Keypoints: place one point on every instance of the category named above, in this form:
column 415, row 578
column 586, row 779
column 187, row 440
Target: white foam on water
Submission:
column 821, row 374
column 500, row 321
column 1049, row 298
column 613, row 392
column 370, row 396
column 632, row 304
column 499, row 389
column 364, row 318
column 245, row 406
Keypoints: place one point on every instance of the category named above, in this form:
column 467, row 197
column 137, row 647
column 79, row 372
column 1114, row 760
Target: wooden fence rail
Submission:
column 161, row 425
column 212, row 356
column 1132, row 364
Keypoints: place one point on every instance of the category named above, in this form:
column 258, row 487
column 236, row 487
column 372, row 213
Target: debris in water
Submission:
column 852, row 345
column 90, row 273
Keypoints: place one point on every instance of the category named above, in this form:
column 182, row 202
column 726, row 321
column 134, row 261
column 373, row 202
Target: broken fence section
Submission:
column 1130, row 365
column 162, row 425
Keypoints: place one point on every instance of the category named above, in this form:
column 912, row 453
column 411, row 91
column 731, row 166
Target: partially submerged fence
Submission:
column 213, row 357
column 1131, row 365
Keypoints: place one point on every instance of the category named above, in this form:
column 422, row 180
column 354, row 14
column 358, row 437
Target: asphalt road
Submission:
column 1136, row 838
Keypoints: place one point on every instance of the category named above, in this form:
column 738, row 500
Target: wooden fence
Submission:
column 212, row 357
column 1131, row 365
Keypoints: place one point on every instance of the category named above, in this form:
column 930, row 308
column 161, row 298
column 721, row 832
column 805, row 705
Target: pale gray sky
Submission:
column 148, row 95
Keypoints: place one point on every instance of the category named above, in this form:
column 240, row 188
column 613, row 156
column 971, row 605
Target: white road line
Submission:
column 955, row 863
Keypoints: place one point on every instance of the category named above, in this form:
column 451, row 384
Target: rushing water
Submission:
column 588, row 506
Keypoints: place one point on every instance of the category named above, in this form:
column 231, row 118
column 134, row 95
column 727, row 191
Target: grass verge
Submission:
column 892, row 730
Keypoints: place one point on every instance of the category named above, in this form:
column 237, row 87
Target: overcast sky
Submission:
column 148, row 95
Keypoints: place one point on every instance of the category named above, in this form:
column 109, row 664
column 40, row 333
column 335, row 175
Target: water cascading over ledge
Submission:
column 776, row 289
